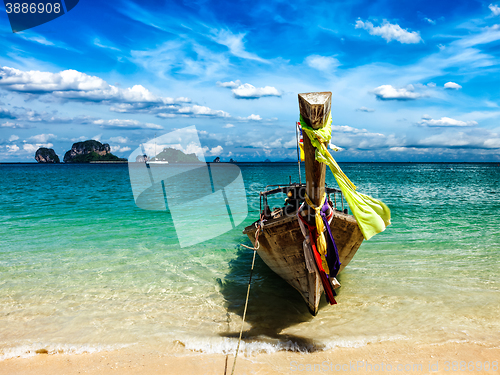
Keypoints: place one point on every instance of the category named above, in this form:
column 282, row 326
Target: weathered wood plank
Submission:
column 314, row 109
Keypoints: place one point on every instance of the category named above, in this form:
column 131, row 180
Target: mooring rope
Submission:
column 259, row 225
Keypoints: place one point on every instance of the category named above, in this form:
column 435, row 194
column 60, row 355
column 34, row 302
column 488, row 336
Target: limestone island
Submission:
column 46, row 155
column 91, row 151
column 171, row 155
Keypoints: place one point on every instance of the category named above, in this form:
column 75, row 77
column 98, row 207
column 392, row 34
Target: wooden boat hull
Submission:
column 281, row 249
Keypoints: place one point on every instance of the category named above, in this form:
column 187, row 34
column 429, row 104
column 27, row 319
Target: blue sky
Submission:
column 411, row 81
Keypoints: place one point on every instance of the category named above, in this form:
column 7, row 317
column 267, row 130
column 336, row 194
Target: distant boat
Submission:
column 281, row 240
column 154, row 161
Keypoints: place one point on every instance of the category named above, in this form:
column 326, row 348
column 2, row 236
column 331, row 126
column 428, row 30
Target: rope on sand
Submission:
column 259, row 226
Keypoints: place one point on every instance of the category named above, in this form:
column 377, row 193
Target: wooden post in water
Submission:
column 314, row 108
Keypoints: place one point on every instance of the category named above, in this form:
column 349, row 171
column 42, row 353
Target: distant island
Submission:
column 175, row 156
column 88, row 151
column 46, row 155
column 81, row 152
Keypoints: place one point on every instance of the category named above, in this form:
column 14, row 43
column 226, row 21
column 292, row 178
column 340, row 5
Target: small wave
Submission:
column 30, row 350
column 228, row 346
column 268, row 345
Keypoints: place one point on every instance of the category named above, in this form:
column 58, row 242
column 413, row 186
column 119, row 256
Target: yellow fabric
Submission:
column 302, row 155
column 320, row 228
column 372, row 215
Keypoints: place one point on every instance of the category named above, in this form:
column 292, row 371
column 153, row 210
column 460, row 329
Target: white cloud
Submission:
column 119, row 139
column 322, row 63
column 252, row 117
column 387, row 92
column 98, row 43
column 452, row 86
column 216, row 151
column 41, row 138
column 13, row 138
column 31, row 148
column 199, row 110
column 235, row 44
column 248, row 91
column 125, row 124
column 74, row 85
column 390, row 32
column 444, row 122
column 495, row 9
column 119, row 149
column 12, row 148
column 13, row 125
column 227, row 126
column 432, row 22
column 365, row 109
column 38, row 39
column 268, row 143
column 230, row 84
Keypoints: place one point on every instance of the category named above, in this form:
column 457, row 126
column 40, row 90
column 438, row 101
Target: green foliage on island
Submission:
column 94, row 156
column 91, row 145
column 90, row 151
column 175, row 156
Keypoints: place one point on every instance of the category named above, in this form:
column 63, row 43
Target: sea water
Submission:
column 83, row 269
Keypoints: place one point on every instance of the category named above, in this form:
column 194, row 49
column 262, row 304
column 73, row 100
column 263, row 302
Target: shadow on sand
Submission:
column 273, row 304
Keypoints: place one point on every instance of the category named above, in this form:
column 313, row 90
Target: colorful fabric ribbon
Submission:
column 320, row 227
column 372, row 215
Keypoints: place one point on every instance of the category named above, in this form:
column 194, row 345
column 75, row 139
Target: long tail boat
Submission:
column 281, row 239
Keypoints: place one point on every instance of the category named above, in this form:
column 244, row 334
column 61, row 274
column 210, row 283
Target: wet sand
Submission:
column 398, row 357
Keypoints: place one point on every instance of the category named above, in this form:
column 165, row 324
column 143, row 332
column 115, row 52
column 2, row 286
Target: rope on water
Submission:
column 259, row 225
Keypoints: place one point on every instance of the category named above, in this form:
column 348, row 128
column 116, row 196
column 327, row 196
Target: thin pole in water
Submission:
column 298, row 152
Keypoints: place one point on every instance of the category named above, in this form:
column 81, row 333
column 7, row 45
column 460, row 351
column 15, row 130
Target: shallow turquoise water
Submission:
column 82, row 268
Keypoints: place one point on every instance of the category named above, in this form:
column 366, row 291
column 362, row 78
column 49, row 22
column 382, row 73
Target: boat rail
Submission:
column 295, row 193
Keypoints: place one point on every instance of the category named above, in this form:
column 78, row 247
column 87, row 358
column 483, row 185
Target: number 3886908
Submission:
column 33, row 8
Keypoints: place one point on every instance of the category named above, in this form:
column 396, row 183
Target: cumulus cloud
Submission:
column 72, row 84
column 12, row 148
column 13, row 138
column 13, row 125
column 248, row 91
column 227, row 126
column 388, row 92
column 476, row 138
column 452, row 86
column 495, row 9
column 252, row 117
column 119, row 139
column 230, row 84
column 199, row 110
column 5, row 113
column 125, row 124
column 119, row 149
column 31, row 148
column 322, row 63
column 169, row 111
column 216, row 151
column 444, row 122
column 390, row 32
column 41, row 138
column 76, row 86
column 365, row 109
